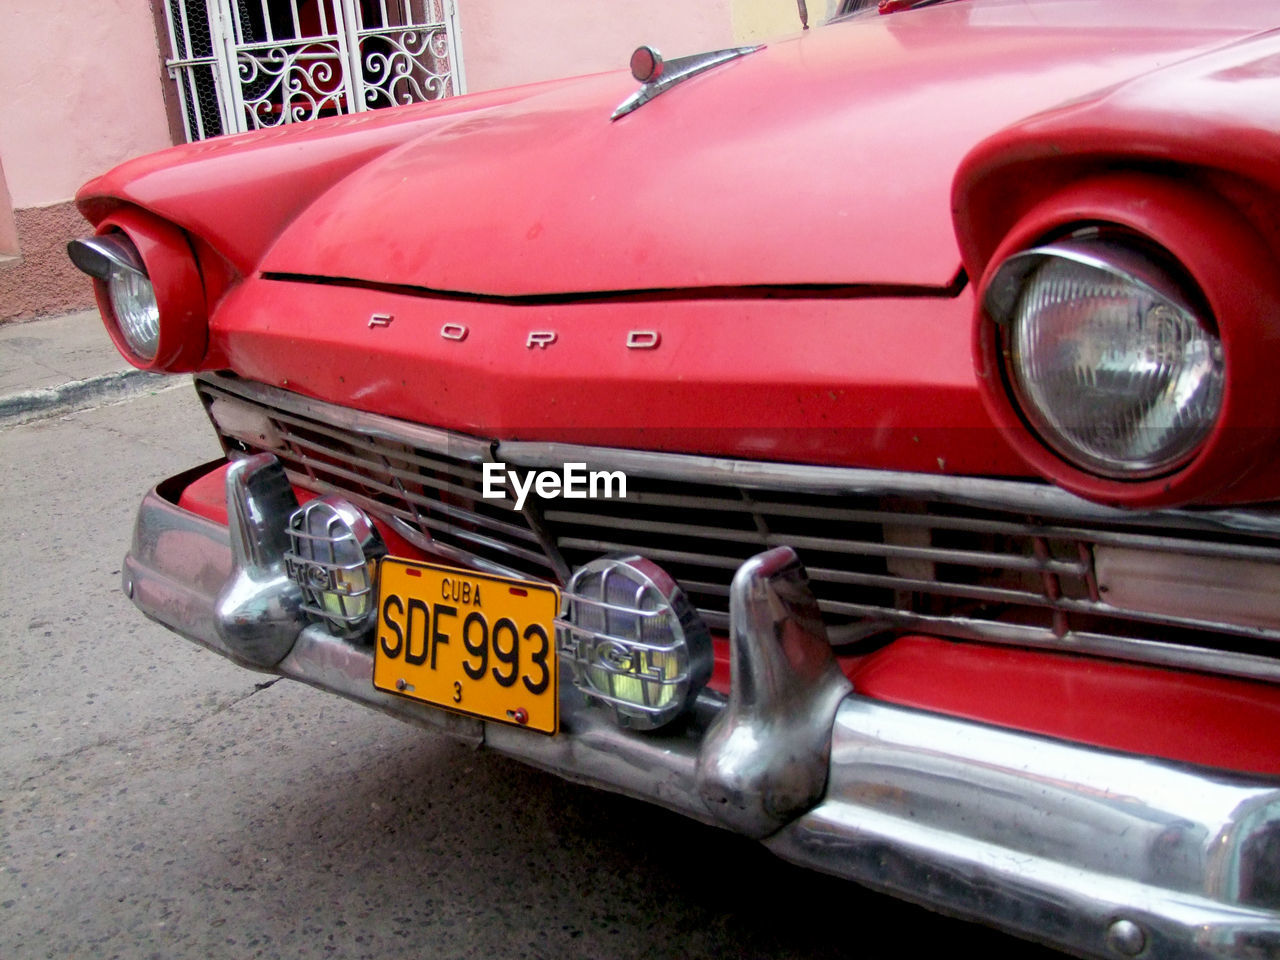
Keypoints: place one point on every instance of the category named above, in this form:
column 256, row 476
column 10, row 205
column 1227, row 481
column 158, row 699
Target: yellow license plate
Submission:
column 471, row 642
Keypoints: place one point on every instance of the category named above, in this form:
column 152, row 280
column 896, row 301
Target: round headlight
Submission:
column 1107, row 360
column 133, row 300
column 149, row 290
column 113, row 259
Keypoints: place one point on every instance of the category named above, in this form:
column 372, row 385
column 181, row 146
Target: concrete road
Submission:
column 156, row 801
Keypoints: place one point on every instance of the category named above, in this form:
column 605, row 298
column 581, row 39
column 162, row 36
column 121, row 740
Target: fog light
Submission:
column 633, row 641
column 333, row 558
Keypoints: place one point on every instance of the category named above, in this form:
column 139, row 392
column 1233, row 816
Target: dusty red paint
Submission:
column 1215, row 721
column 535, row 191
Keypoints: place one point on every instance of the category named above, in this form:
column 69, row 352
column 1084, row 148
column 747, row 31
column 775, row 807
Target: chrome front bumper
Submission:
column 1094, row 852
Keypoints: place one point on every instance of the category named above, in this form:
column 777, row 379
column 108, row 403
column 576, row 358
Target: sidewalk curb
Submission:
column 31, row 405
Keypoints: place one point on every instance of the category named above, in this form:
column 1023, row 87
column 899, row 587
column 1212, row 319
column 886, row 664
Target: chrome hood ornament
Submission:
column 660, row 75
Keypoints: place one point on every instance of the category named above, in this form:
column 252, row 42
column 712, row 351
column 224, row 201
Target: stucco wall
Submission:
column 505, row 42
column 79, row 92
column 42, row 282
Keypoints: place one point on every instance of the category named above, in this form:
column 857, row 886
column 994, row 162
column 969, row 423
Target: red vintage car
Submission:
column 867, row 442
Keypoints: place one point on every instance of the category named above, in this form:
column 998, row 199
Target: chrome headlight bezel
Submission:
column 1135, row 432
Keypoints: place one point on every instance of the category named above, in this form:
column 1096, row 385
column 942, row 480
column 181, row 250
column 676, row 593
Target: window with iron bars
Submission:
column 248, row 64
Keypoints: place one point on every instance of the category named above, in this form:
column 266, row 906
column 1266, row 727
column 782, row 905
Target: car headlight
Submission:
column 149, row 290
column 133, row 299
column 1106, row 357
column 113, row 259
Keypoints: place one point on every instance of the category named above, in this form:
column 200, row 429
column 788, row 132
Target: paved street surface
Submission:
column 156, row 801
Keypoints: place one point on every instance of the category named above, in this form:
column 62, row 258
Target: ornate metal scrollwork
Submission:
column 288, row 83
column 406, row 67
column 252, row 64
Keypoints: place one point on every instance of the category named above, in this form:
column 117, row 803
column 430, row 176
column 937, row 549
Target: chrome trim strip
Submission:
column 380, row 466
column 1259, row 521
column 538, row 524
column 367, row 443
column 1091, row 606
column 459, row 513
column 104, row 255
column 1016, row 495
column 1111, row 257
column 1054, row 841
column 700, row 559
column 1132, row 650
column 456, row 445
column 862, row 548
column 1010, row 495
column 1057, row 516
column 443, row 549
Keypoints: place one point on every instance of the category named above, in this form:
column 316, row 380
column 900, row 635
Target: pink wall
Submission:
column 80, row 90
column 8, row 229
column 82, row 85
column 506, row 42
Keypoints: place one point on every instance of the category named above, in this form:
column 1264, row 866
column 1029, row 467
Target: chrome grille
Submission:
column 859, row 554
column 1009, row 562
column 426, row 483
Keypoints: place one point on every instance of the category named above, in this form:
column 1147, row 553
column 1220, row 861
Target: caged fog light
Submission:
column 1105, row 356
column 633, row 641
column 333, row 556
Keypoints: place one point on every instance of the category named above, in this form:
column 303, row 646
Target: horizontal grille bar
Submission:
column 764, row 541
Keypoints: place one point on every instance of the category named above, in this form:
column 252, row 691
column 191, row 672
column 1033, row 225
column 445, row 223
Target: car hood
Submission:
column 826, row 159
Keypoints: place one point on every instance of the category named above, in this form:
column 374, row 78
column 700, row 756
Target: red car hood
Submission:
column 727, row 179
column 824, row 159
